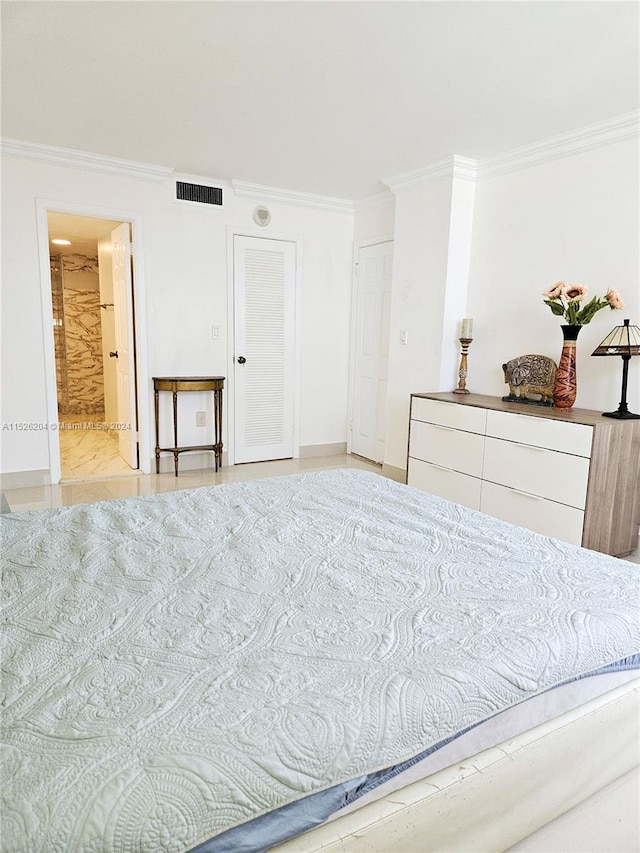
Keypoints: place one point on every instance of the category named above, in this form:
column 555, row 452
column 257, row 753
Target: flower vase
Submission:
column 566, row 385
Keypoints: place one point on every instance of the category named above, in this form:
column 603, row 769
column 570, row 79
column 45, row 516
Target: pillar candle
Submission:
column 467, row 328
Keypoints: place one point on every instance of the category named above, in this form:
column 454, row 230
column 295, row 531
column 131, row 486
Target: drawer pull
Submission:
column 441, row 467
column 447, row 429
column 525, row 494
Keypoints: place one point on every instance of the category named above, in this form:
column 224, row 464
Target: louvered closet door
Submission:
column 264, row 330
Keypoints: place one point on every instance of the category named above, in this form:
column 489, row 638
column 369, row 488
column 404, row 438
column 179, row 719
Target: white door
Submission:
column 264, row 348
column 125, row 359
column 371, row 349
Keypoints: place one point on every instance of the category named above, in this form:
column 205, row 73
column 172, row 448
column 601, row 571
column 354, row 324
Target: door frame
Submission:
column 43, row 207
column 232, row 232
column 360, row 244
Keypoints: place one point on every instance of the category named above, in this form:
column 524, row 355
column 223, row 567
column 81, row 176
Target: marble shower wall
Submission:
column 79, row 369
column 58, row 330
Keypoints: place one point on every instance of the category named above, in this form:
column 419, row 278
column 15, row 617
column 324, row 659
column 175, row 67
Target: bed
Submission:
column 188, row 671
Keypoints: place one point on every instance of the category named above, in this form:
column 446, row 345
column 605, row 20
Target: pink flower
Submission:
column 565, row 300
column 575, row 292
column 614, row 299
column 555, row 291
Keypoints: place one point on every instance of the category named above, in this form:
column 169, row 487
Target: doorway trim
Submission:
column 43, row 207
column 360, row 244
column 235, row 231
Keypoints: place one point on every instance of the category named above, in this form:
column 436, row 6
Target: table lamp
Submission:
column 623, row 341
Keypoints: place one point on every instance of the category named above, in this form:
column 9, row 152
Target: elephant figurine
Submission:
column 530, row 374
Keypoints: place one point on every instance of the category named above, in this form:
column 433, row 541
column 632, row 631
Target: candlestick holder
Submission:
column 465, row 343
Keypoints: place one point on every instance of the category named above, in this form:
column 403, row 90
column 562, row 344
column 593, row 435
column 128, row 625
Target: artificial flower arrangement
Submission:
column 565, row 300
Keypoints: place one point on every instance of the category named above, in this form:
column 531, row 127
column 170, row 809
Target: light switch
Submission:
column 215, row 332
column 403, row 336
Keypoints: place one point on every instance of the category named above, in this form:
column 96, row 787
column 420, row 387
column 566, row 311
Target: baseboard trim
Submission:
column 394, row 473
column 25, row 479
column 334, row 449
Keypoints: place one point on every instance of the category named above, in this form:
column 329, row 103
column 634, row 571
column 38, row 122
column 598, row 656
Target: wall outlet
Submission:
column 201, row 418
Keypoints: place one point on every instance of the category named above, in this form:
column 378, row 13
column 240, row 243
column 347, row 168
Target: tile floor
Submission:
column 87, row 449
column 608, row 822
column 108, row 487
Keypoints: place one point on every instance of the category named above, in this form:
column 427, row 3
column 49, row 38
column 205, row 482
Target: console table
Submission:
column 175, row 384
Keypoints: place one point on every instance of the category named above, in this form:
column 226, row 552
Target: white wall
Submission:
column 457, row 284
column 374, row 217
column 433, row 229
column 575, row 219
column 421, row 239
column 488, row 251
column 185, row 263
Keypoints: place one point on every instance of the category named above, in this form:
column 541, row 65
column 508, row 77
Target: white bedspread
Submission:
column 177, row 664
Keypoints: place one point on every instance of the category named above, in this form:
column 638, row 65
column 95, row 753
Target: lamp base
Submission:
column 621, row 415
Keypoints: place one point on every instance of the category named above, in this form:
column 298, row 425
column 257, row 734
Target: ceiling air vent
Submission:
column 198, row 193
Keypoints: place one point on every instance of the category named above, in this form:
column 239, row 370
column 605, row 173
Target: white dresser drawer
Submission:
column 541, row 432
column 468, row 418
column 557, row 476
column 534, row 513
column 456, row 487
column 449, row 448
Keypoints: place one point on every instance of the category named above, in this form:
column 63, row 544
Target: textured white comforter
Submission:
column 176, row 664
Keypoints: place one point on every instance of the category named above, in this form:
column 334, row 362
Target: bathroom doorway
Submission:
column 93, row 329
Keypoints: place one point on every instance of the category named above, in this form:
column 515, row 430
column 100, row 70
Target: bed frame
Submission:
column 552, row 768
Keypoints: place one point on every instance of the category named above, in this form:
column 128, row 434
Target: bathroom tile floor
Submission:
column 87, row 449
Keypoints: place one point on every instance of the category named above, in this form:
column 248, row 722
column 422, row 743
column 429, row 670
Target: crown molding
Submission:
column 449, row 167
column 275, row 194
column 206, row 180
column 596, row 135
column 381, row 197
column 593, row 136
column 84, row 160
column 587, row 138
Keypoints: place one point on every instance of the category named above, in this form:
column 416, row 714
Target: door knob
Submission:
column 113, row 354
column 241, row 359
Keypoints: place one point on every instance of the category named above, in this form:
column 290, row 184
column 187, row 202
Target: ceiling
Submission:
column 324, row 97
column 83, row 232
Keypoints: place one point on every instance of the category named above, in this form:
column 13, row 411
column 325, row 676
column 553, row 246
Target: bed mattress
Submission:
column 176, row 665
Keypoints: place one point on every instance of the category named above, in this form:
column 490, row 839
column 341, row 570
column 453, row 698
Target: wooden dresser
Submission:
column 571, row 475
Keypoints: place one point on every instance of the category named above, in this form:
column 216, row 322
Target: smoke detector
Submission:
column 261, row 215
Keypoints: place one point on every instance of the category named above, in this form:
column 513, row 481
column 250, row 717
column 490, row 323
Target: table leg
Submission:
column 157, row 407
column 216, row 417
column 220, row 427
column 217, row 403
column 176, row 455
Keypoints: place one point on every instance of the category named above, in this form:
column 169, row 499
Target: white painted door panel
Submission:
column 371, row 346
column 125, row 361
column 264, row 335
